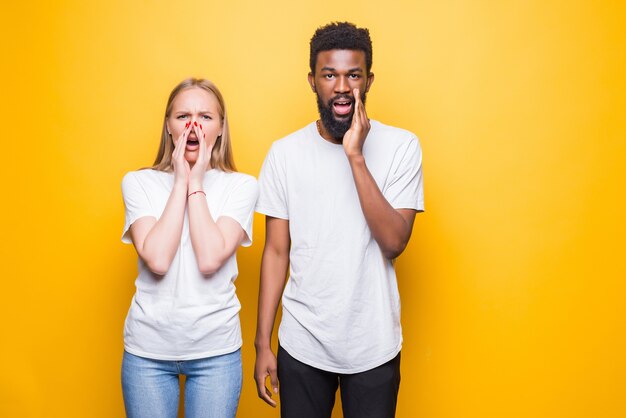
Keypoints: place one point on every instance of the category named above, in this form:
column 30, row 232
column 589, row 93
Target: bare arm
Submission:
column 391, row 228
column 274, row 267
column 156, row 242
column 213, row 242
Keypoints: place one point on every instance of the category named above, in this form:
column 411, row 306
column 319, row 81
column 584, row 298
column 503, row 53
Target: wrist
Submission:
column 180, row 184
column 356, row 158
column 262, row 345
column 195, row 185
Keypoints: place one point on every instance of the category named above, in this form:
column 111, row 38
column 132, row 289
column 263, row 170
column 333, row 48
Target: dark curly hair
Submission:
column 341, row 35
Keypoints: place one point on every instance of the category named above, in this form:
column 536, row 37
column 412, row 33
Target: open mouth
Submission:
column 192, row 144
column 342, row 107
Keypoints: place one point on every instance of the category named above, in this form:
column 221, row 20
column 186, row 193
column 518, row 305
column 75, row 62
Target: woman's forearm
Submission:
column 212, row 243
column 162, row 240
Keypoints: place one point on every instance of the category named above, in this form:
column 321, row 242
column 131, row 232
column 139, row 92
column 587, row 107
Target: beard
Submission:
column 336, row 128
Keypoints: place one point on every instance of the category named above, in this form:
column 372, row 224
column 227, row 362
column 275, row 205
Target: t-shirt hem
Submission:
column 197, row 356
column 126, row 234
column 247, row 241
column 271, row 212
column 369, row 366
column 408, row 205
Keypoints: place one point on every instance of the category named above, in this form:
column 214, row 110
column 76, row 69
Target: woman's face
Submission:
column 195, row 105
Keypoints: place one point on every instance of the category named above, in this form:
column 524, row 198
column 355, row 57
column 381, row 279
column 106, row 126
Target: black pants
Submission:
column 307, row 392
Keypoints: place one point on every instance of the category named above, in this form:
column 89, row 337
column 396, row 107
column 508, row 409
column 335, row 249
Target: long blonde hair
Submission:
column 222, row 154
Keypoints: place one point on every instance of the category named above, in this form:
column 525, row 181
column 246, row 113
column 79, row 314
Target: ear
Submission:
column 370, row 80
column 312, row 82
column 167, row 128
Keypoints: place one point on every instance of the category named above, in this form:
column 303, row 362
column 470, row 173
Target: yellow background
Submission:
column 513, row 283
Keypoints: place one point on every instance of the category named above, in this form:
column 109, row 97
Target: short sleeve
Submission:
column 272, row 191
column 136, row 203
column 406, row 188
column 240, row 206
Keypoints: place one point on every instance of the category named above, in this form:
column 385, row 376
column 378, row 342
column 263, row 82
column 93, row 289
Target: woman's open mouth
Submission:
column 192, row 144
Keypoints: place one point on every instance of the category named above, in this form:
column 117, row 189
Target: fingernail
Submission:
column 200, row 126
column 195, row 123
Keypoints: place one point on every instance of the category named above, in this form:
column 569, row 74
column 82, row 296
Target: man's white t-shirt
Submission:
column 184, row 314
column 341, row 307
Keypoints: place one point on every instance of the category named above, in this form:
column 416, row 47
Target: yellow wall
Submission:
column 513, row 284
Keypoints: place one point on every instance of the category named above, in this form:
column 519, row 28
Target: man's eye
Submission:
column 329, row 76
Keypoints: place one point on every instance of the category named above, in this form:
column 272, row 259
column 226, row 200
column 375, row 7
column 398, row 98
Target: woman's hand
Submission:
column 203, row 162
column 179, row 163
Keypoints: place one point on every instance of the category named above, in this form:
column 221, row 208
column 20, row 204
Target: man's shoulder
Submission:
column 291, row 140
column 389, row 132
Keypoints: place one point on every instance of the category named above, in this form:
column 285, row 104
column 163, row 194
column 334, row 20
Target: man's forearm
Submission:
column 389, row 228
column 273, row 275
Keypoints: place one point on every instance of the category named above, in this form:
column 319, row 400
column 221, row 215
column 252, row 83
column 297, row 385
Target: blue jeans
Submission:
column 212, row 386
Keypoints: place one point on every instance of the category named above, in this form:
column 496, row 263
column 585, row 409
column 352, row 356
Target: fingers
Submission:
column 364, row 119
column 201, row 142
column 263, row 392
column 359, row 111
column 274, row 379
column 357, row 108
column 179, row 147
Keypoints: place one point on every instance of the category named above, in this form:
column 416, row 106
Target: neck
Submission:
column 321, row 129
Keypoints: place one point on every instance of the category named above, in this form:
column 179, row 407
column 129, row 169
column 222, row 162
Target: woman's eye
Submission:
column 181, row 117
column 206, row 117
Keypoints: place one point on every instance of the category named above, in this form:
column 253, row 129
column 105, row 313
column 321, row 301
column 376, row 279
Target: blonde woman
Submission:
column 186, row 217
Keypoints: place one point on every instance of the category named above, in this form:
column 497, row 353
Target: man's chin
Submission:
column 342, row 118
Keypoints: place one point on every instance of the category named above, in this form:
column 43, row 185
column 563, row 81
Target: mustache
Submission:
column 340, row 97
column 346, row 97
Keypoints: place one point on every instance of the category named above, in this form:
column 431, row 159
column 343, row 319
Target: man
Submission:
column 340, row 197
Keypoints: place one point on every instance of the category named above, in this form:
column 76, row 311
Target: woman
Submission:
column 186, row 216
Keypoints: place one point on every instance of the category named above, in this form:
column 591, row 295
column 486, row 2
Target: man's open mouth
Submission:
column 342, row 107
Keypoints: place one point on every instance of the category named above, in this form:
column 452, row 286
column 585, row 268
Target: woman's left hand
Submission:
column 196, row 175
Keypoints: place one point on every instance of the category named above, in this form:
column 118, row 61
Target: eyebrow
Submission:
column 180, row 112
column 351, row 70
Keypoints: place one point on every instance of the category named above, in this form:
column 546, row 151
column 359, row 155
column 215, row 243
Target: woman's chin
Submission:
column 191, row 156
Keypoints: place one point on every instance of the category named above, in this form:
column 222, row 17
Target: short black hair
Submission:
column 341, row 35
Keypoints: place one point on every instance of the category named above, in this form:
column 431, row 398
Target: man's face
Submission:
column 337, row 73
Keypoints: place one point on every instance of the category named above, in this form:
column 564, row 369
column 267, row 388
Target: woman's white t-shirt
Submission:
column 184, row 314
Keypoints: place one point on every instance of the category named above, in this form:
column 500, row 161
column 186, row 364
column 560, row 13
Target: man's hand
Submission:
column 266, row 365
column 354, row 138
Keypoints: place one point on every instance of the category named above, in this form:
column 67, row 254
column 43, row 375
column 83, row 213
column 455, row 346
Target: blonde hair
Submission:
column 222, row 154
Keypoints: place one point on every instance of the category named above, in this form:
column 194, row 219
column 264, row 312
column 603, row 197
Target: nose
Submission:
column 342, row 86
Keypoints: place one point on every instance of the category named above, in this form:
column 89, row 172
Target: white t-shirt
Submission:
column 341, row 307
column 185, row 315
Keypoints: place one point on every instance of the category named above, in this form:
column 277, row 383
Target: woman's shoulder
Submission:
column 145, row 173
column 235, row 180
column 237, row 177
column 145, row 177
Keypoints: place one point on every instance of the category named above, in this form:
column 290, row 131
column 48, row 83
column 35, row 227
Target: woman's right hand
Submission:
column 179, row 163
